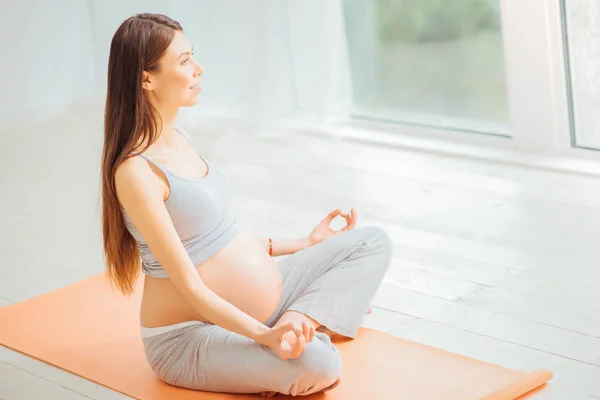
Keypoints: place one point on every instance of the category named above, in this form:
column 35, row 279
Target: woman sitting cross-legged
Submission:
column 218, row 313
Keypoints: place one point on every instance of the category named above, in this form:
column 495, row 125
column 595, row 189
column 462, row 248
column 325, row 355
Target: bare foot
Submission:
column 327, row 389
column 332, row 386
column 326, row 331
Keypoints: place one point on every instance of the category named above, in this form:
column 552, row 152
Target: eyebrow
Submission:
column 187, row 52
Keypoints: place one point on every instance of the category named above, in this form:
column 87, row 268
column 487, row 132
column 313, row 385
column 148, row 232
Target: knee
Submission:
column 381, row 236
column 378, row 238
column 322, row 363
column 319, row 367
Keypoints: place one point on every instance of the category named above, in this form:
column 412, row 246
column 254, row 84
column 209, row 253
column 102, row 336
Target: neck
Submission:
column 168, row 116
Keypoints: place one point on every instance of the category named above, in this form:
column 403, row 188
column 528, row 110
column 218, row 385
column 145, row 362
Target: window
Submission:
column 581, row 21
column 428, row 62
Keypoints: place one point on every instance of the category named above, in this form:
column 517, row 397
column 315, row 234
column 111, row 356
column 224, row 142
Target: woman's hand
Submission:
column 286, row 341
column 323, row 231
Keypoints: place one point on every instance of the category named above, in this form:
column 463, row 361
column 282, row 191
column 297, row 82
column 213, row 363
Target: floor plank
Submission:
column 526, row 333
column 16, row 384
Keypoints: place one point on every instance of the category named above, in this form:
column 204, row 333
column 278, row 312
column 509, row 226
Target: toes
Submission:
column 333, row 386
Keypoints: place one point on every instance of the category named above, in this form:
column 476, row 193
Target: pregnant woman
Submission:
column 218, row 313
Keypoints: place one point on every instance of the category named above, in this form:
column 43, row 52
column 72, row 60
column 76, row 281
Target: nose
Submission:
column 199, row 70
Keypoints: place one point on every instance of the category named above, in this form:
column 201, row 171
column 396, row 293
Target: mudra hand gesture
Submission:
column 323, row 231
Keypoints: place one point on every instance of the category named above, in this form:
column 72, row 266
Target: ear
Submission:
column 147, row 81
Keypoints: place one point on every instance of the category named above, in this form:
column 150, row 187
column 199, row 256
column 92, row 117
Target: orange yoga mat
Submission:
column 90, row 331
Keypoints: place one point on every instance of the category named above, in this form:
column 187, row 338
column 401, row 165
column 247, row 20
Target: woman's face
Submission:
column 176, row 81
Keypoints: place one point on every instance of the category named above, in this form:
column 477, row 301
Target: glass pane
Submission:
column 430, row 62
column 582, row 19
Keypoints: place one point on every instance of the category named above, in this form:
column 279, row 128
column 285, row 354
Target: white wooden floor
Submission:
column 491, row 261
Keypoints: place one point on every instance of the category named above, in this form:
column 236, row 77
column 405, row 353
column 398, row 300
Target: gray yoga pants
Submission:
column 332, row 282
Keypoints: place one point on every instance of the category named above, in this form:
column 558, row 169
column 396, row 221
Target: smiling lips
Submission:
column 196, row 86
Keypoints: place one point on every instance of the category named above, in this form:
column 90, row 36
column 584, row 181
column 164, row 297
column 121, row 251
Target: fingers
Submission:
column 332, row 215
column 308, row 330
column 285, row 328
column 289, row 348
column 299, row 345
column 350, row 220
column 305, row 331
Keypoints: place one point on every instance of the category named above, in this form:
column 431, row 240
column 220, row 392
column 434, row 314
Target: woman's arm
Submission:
column 284, row 247
column 321, row 232
column 142, row 197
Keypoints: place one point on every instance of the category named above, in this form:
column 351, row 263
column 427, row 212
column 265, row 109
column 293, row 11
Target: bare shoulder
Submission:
column 135, row 180
column 132, row 168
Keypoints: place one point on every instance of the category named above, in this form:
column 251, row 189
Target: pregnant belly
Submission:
column 242, row 273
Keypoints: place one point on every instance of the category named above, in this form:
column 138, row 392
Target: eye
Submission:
column 186, row 60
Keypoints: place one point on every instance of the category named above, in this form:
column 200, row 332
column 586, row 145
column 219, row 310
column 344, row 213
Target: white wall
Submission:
column 263, row 57
column 46, row 57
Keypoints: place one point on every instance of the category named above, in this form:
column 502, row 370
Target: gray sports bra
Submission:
column 200, row 211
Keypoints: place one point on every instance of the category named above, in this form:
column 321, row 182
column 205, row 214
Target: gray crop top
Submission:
column 200, row 211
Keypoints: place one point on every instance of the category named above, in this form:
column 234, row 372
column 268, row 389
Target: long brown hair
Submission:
column 129, row 119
